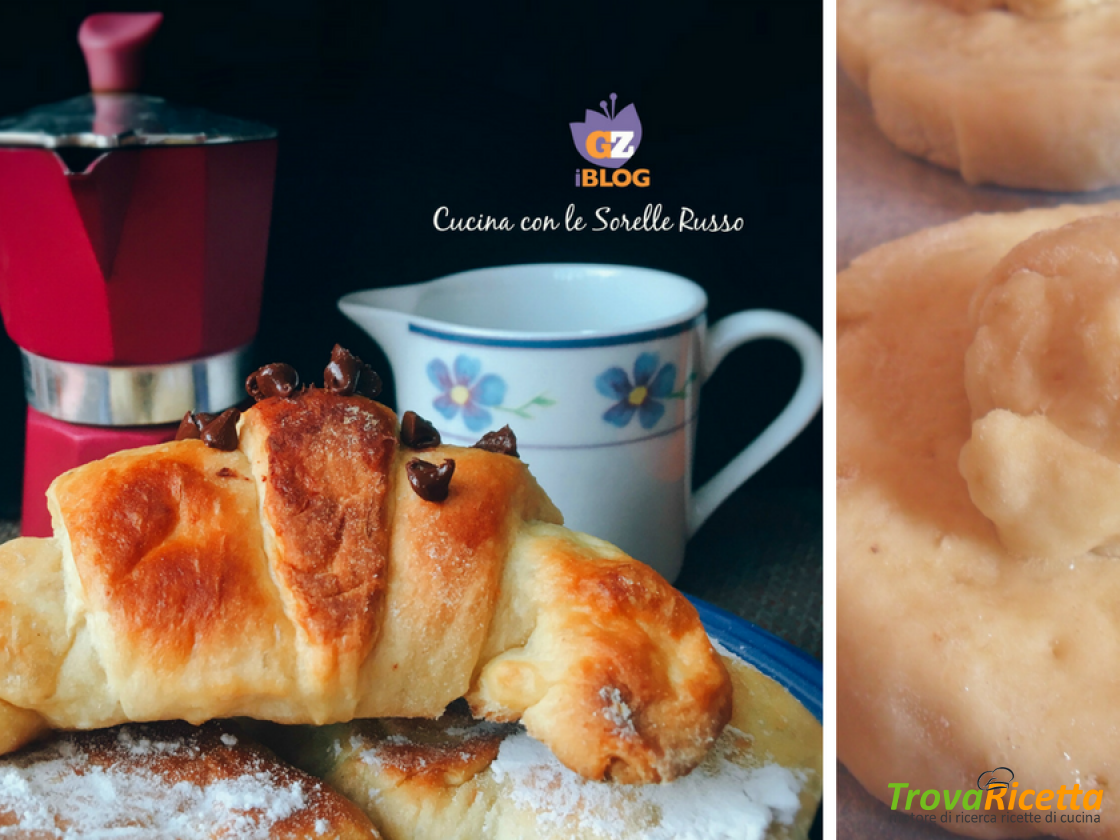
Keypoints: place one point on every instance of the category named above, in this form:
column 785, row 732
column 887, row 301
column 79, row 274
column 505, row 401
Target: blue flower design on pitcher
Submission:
column 463, row 389
column 643, row 395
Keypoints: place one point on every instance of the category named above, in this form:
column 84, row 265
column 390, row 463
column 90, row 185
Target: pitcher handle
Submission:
column 722, row 338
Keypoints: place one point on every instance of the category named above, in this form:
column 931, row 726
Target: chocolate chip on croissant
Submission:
column 503, row 442
column 346, row 375
column 325, row 589
column 418, row 433
column 431, row 482
column 221, row 431
column 272, row 380
column 189, row 428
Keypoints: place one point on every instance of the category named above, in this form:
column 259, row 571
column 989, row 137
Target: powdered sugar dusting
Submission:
column 62, row 791
column 617, row 711
column 137, row 745
column 730, row 796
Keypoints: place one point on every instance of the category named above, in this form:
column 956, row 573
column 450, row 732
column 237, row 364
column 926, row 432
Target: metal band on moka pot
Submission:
column 134, row 395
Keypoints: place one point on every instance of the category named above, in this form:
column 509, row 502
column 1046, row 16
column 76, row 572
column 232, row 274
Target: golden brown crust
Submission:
column 433, row 754
column 143, row 529
column 325, row 466
column 615, row 667
column 449, row 556
column 164, row 544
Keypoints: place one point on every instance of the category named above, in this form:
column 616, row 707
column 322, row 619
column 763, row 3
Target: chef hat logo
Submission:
column 1001, row 777
column 608, row 139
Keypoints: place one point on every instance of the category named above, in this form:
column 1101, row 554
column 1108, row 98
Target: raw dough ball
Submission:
column 1047, row 352
column 954, row 656
column 1023, row 100
column 1048, row 495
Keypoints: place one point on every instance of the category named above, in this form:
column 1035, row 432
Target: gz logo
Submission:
column 609, row 140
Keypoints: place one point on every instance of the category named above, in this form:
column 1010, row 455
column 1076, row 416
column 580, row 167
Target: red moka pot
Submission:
column 133, row 236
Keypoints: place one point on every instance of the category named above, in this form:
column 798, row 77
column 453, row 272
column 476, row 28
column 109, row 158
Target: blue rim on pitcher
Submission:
column 684, row 300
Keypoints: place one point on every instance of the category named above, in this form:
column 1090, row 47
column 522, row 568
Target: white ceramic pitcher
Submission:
column 597, row 369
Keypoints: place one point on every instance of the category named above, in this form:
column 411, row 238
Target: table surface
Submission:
column 882, row 194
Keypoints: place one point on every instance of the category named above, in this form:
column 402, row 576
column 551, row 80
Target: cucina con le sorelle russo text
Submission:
column 653, row 219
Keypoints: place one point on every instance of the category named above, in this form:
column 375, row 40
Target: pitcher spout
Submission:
column 383, row 314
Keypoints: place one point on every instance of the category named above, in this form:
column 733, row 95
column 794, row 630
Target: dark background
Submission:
column 388, row 111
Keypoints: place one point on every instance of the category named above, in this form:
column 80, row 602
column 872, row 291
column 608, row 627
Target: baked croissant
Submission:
column 302, row 578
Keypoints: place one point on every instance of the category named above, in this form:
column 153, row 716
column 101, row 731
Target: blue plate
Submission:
column 798, row 672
